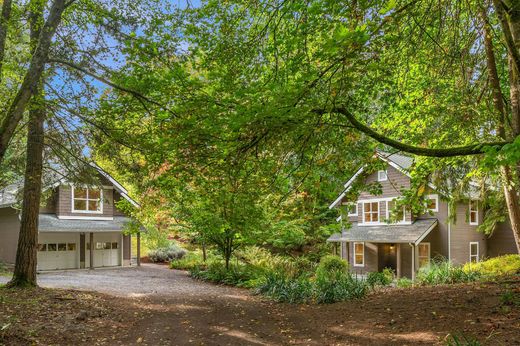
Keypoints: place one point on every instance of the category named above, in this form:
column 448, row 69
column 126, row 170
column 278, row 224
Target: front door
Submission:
column 387, row 257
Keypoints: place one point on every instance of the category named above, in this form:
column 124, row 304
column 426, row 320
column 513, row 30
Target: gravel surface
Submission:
column 149, row 279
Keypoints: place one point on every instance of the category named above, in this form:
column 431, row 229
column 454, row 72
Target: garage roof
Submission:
column 50, row 223
column 387, row 233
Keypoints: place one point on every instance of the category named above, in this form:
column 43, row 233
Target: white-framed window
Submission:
column 352, row 209
column 359, row 254
column 85, row 200
column 423, row 255
column 473, row 212
column 432, row 203
column 474, row 252
column 382, row 175
column 400, row 217
column 370, row 212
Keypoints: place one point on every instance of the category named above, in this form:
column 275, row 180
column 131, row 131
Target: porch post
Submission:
column 398, row 264
column 91, row 253
column 138, row 248
column 413, row 262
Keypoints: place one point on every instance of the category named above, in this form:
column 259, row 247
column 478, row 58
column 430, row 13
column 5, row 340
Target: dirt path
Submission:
column 165, row 307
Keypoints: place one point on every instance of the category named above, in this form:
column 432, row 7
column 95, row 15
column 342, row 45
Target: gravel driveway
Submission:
column 149, row 279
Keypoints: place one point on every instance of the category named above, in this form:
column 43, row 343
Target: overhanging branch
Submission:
column 472, row 149
column 108, row 82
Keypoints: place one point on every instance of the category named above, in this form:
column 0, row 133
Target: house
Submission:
column 370, row 242
column 79, row 226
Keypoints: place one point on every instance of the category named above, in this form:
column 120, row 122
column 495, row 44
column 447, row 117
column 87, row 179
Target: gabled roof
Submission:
column 8, row 195
column 400, row 162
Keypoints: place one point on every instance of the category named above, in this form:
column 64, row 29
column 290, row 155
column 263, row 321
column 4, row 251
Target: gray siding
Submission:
column 64, row 203
column 371, row 259
column 9, row 230
column 462, row 233
column 502, row 241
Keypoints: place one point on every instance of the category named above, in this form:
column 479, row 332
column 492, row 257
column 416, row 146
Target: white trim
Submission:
column 449, row 236
column 368, row 224
column 354, row 253
column 478, row 251
column 385, row 175
column 338, row 200
column 418, row 253
column 403, row 221
column 338, row 219
column 384, row 199
column 371, row 212
column 72, row 217
column 351, row 180
column 355, row 205
column 101, row 200
column 436, row 198
column 475, row 211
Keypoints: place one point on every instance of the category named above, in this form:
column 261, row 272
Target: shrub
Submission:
column 340, row 287
column 331, row 264
column 404, row 283
column 497, row 266
column 277, row 286
column 166, row 254
column 443, row 272
column 192, row 259
column 383, row 278
column 241, row 275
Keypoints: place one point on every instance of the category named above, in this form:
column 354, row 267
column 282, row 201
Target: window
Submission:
column 62, row 247
column 71, row 247
column 359, row 254
column 424, row 254
column 432, row 203
column 87, row 200
column 370, row 212
column 114, row 246
column 401, row 214
column 473, row 252
column 51, row 247
column 99, row 246
column 352, row 209
column 106, row 246
column 42, row 247
column 382, row 175
column 473, row 212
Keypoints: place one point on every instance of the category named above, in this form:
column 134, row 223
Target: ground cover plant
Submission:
column 497, row 266
column 167, row 253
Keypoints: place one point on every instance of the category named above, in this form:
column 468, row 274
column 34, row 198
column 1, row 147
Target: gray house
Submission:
column 79, row 226
column 371, row 243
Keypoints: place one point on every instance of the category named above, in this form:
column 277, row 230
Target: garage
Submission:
column 58, row 251
column 106, row 251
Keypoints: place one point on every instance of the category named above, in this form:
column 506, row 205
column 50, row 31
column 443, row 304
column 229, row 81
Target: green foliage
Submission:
column 166, row 254
column 510, row 298
column 238, row 274
column 192, row 259
column 280, row 287
column 461, row 340
column 443, row 272
column 404, row 283
column 339, row 286
column 330, row 264
column 383, row 278
column 496, row 266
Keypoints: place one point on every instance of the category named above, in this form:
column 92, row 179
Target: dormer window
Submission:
column 85, row 200
column 382, row 175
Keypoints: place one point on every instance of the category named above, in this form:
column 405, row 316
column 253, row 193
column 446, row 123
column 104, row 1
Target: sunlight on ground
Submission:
column 238, row 334
column 380, row 336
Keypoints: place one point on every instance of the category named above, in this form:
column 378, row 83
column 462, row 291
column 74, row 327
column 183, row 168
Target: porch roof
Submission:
column 412, row 233
column 50, row 223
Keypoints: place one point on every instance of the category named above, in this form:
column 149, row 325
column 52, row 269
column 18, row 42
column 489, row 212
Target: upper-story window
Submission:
column 352, row 209
column 399, row 215
column 382, row 175
column 473, row 212
column 432, row 203
column 86, row 200
column 370, row 212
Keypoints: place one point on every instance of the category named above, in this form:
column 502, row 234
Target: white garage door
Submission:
column 58, row 251
column 107, row 250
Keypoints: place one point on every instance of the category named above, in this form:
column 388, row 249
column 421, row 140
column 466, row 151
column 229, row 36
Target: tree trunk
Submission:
column 4, row 25
column 32, row 77
column 26, row 254
column 204, row 254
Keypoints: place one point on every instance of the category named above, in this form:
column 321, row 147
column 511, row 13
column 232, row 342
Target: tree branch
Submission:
column 132, row 92
column 472, row 149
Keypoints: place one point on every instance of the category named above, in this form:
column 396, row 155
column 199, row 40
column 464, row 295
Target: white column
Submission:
column 398, row 255
column 413, row 262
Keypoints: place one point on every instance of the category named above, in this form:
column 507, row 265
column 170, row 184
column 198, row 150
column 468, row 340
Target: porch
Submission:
column 398, row 247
